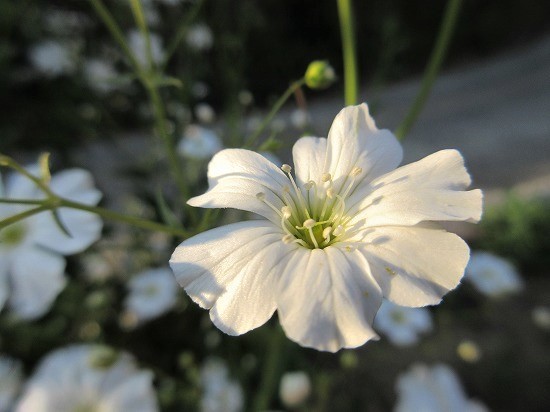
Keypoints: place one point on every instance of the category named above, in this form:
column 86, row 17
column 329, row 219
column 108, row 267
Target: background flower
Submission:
column 493, row 275
column 219, row 392
column 402, row 325
column 199, row 142
column 11, row 377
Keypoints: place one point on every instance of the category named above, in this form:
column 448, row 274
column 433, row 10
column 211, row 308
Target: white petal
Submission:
column 37, row 277
column 430, row 189
column 135, row 393
column 354, row 140
column 76, row 185
column 309, row 155
column 236, row 176
column 415, row 266
column 84, row 228
column 230, row 269
column 327, row 299
column 21, row 187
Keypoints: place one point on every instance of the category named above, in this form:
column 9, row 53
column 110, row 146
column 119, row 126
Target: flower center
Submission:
column 314, row 215
column 13, row 234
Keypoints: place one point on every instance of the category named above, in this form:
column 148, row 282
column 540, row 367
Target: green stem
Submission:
column 139, row 17
column 351, row 82
column 23, row 215
column 276, row 107
column 271, row 370
column 439, row 52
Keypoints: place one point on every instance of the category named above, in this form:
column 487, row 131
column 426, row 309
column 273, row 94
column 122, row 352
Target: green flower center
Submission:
column 13, row 234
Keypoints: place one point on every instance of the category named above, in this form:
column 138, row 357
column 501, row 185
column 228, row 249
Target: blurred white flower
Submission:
column 100, row 75
column 245, row 97
column 402, row 325
column 299, row 118
column 220, row 393
column 541, row 317
column 138, row 45
column 205, row 113
column 493, row 275
column 199, row 143
column 294, row 389
column 200, row 37
column 95, row 267
column 347, row 230
column 88, row 378
column 11, row 377
column 53, row 58
column 65, row 22
column 31, row 266
column 151, row 293
column 435, row 389
column 200, row 90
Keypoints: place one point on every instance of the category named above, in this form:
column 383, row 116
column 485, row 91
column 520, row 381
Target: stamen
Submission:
column 309, row 223
column 261, row 197
column 286, row 211
column 330, row 192
column 339, row 230
column 356, row 171
column 309, row 184
column 326, row 177
column 288, row 239
column 286, row 168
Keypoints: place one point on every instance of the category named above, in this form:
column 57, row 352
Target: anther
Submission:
column 339, row 230
column 326, row 177
column 287, row 211
column 286, row 168
column 326, row 232
column 288, row 239
column 309, row 223
column 309, row 184
column 356, row 171
column 330, row 192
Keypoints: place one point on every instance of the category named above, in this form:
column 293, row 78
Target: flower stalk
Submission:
column 351, row 81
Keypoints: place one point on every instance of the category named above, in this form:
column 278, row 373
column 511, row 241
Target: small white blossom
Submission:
column 541, row 317
column 138, row 45
column 346, row 229
column 245, row 97
column 220, row 393
column 65, row 22
column 53, row 58
column 294, row 389
column 83, row 378
column 205, row 113
column 199, row 143
column 11, row 377
column 200, row 37
column 401, row 324
column 100, row 75
column 152, row 293
column 493, row 275
column 434, row 389
column 31, row 263
column 299, row 118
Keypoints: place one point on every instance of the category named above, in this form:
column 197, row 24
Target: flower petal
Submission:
column 415, row 266
column 309, row 155
column 76, row 185
column 430, row 189
column 37, row 278
column 230, row 270
column 134, row 393
column 354, row 140
column 327, row 299
column 236, row 176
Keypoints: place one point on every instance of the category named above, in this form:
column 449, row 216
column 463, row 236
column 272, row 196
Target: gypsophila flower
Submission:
column 200, row 37
column 434, row 389
column 493, row 275
column 138, row 45
column 199, row 142
column 402, row 325
column 205, row 113
column 220, row 393
column 294, row 389
column 11, row 377
column 100, row 75
column 31, row 263
column 152, row 293
column 53, row 58
column 88, row 378
column 299, row 118
column 347, row 230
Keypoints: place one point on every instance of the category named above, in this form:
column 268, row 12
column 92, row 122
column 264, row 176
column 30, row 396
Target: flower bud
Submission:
column 319, row 75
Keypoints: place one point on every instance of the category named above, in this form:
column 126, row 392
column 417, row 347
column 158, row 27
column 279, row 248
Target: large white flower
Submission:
column 401, row 324
column 80, row 378
column 152, row 293
column 345, row 232
column 31, row 266
column 11, row 377
column 435, row 389
column 493, row 275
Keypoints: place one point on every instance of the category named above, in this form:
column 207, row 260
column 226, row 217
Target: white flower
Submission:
column 402, row 325
column 294, row 389
column 205, row 113
column 493, row 275
column 31, row 266
column 138, row 45
column 53, row 58
column 152, row 293
column 220, row 393
column 541, row 317
column 436, row 389
column 199, row 143
column 200, row 37
column 347, row 231
column 76, row 378
column 11, row 377
column 299, row 118
column 100, row 75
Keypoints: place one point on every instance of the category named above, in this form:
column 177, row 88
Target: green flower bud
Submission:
column 319, row 75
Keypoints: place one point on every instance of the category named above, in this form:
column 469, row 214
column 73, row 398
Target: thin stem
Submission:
column 23, row 215
column 21, row 201
column 9, row 162
column 351, row 82
column 439, row 52
column 139, row 17
column 276, row 107
column 180, row 34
